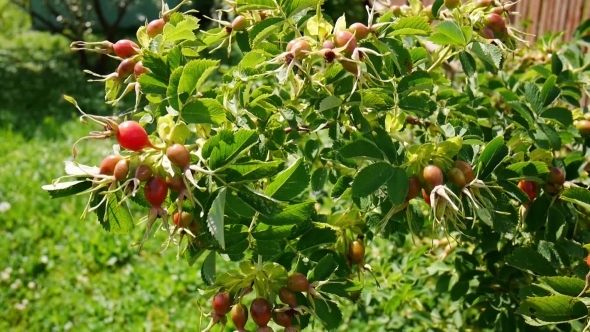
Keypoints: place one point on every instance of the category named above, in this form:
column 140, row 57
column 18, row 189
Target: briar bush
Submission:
column 421, row 125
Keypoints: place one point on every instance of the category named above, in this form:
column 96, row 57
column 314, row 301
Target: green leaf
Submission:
column 208, row 269
column 492, row 155
column 151, row 84
column 417, row 25
column 292, row 7
column 539, row 311
column 182, row 31
column 215, row 218
column 204, row 110
column 329, row 103
column 370, row 178
column 436, row 6
column 65, row 189
column 560, row 114
column 533, row 96
column 293, row 214
column 252, row 170
column 537, row 214
column 229, row 146
column 418, row 80
column 468, row 63
column 448, row 33
column 578, row 196
column 343, row 183
column 324, row 269
column 259, row 202
column 316, row 237
column 488, row 53
column 525, row 169
column 524, row 112
column 263, row 29
column 194, row 74
column 114, row 218
column 318, row 179
column 398, row 186
column 267, row 232
column 172, row 90
column 530, row 260
column 556, row 65
column 329, row 313
column 564, row 285
column 361, row 149
column 548, row 87
column 245, row 5
column 290, row 182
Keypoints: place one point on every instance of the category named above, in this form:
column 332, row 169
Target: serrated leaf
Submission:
column 548, row 87
column 172, row 90
column 195, row 73
column 65, row 189
column 549, row 310
column 343, row 183
column 263, row 29
column 114, row 217
column 524, row 112
column 215, row 218
column 151, row 84
column 488, row 53
column 564, row 285
column 292, row 7
column 267, row 232
column 533, row 96
column 361, row 149
column 398, row 186
column 204, row 110
column 230, row 146
column 468, row 63
column 182, row 31
column 492, row 155
column 560, row 114
column 416, row 25
column 552, row 136
column 448, row 33
column 316, row 237
column 262, row 204
column 208, row 269
column 292, row 214
column 329, row 103
column 370, row 178
column 329, row 313
column 252, row 170
column 318, row 179
column 537, row 213
column 289, row 183
column 324, row 269
column 578, row 196
column 417, row 80
column 530, row 260
column 525, row 169
column 245, row 5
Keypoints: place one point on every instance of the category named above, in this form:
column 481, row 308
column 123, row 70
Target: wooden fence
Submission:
column 542, row 16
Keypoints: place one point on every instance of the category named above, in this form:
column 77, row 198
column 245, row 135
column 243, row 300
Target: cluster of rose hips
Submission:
column 261, row 310
column 553, row 185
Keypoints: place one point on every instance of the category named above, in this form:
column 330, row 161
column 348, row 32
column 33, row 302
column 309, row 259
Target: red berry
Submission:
column 139, row 69
column 121, row 170
column 426, row 197
column 328, row 44
column 396, row 10
column 466, row 169
column 343, row 38
column 588, row 260
column 349, row 66
column 556, row 176
column 457, row 178
column 183, row 220
column 292, row 328
column 176, row 183
column 179, row 155
column 283, row 318
column 132, row 136
column 221, row 303
column 264, row 329
column 360, row 30
column 107, row 165
column 529, row 187
column 583, row 126
column 125, row 68
column 433, row 176
column 288, row 297
column 487, row 33
column 413, row 188
column 155, row 27
column 553, row 189
column 125, row 48
column 155, row 191
column 496, row 23
column 239, row 315
column 239, row 23
column 143, row 173
column 356, row 251
column 260, row 311
column 297, row 282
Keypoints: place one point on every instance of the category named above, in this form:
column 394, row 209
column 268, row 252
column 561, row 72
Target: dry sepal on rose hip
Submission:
column 221, row 307
column 445, row 205
column 155, row 192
